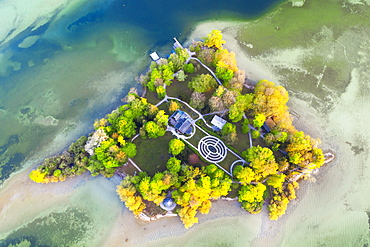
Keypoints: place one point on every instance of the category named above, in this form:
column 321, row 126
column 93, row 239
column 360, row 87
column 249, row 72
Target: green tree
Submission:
column 125, row 127
column 251, row 197
column 245, row 126
column 189, row 68
column 224, row 74
column 262, row 161
column 255, row 134
column 202, row 83
column 173, row 165
column 242, row 104
column 153, row 130
column 228, row 128
column 181, row 76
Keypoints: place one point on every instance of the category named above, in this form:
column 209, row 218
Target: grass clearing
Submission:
column 152, row 154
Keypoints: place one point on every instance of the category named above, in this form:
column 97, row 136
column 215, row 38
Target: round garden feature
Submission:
column 212, row 149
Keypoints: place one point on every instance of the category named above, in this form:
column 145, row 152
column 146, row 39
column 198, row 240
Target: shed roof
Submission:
column 154, row 56
column 219, row 122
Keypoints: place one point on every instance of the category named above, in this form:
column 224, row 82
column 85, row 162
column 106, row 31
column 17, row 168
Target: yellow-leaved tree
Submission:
column 214, row 39
column 127, row 193
column 270, row 100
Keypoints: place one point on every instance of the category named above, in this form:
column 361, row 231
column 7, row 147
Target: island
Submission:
column 200, row 131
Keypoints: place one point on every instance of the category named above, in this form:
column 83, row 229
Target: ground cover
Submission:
column 152, row 154
column 127, row 169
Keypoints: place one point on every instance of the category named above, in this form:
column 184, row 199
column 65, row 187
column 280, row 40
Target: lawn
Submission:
column 152, row 154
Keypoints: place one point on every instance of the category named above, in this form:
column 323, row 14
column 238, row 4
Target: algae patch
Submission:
column 66, row 228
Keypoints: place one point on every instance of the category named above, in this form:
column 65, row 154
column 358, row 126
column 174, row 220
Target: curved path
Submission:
column 206, row 67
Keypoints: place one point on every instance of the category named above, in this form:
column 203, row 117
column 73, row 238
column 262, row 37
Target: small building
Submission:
column 168, row 204
column 154, row 56
column 218, row 123
column 182, row 122
column 266, row 128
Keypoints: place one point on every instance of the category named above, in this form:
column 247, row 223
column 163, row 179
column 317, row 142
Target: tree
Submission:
column 174, row 106
column 303, row 152
column 206, row 55
column 181, row 76
column 219, row 91
column 280, row 200
column 189, row 68
column 173, row 165
column 161, row 118
column 167, row 73
column 197, row 100
column 262, row 162
column 179, row 58
column 126, row 127
column 202, row 83
column 251, row 197
column 161, row 92
column 128, row 194
column 255, row 134
column 245, row 175
column 153, row 130
column 276, row 180
column 38, row 176
column 242, row 103
column 259, row 120
column 214, row 39
column 229, row 98
column 176, row 146
column 245, row 126
column 228, row 128
column 270, row 100
column 237, row 82
column 225, row 59
column 199, row 186
column 216, row 104
column 298, row 148
column 224, row 74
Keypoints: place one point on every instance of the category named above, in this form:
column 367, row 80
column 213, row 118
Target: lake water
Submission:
column 65, row 63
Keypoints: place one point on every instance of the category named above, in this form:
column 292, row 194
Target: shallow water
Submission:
column 85, row 60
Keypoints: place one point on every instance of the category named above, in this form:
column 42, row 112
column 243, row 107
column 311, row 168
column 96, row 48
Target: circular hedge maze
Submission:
column 212, row 149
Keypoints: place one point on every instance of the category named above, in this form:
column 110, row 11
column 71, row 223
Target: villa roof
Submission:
column 184, row 126
column 181, row 121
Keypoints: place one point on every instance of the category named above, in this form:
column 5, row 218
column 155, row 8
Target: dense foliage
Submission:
column 192, row 188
